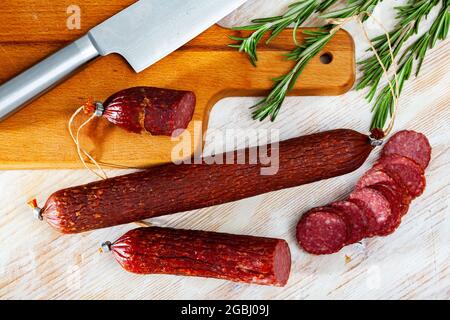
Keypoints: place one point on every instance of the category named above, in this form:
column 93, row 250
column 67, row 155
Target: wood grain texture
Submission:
column 206, row 66
column 413, row 263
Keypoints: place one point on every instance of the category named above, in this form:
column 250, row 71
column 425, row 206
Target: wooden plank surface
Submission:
column 38, row 137
column 413, row 263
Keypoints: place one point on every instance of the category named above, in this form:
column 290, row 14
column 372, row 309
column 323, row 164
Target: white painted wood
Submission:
column 38, row 263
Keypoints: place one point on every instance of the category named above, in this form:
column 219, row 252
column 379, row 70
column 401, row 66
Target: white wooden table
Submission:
column 37, row 262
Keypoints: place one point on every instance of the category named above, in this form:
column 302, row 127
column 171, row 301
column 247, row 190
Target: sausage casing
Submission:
column 237, row 258
column 171, row 188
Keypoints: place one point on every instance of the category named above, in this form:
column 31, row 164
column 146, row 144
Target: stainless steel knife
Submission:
column 143, row 33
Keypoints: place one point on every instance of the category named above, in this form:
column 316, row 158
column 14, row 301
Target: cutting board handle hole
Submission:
column 326, row 58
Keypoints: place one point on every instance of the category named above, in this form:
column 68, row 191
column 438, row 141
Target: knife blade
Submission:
column 143, row 34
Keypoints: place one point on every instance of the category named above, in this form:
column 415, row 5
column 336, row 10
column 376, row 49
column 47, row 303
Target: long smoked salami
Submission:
column 153, row 250
column 174, row 188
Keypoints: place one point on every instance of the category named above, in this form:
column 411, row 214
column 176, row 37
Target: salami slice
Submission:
column 405, row 172
column 410, row 144
column 329, row 208
column 374, row 176
column 322, row 232
column 379, row 209
column 372, row 224
column 395, row 201
column 355, row 219
column 402, row 194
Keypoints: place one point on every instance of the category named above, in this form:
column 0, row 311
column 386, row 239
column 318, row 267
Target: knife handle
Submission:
column 32, row 83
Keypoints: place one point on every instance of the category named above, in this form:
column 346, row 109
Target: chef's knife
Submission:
column 143, row 33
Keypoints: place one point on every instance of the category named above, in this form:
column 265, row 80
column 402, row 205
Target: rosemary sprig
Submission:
column 415, row 54
column 325, row 5
column 410, row 16
column 353, row 8
column 296, row 14
column 314, row 43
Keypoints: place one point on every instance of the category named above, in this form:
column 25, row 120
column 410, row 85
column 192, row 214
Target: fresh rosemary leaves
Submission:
column 415, row 54
column 409, row 15
column 297, row 13
column 314, row 43
column 353, row 8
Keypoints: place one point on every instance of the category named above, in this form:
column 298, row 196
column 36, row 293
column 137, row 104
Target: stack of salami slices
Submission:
column 378, row 203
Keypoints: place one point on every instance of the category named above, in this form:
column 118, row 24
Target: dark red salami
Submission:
column 247, row 259
column 405, row 172
column 160, row 112
column 410, row 144
column 395, row 201
column 372, row 224
column 355, row 219
column 172, row 188
column 380, row 209
column 374, row 176
column 380, row 200
column 401, row 193
column 322, row 232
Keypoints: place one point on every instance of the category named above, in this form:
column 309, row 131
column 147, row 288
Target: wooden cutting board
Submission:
column 37, row 136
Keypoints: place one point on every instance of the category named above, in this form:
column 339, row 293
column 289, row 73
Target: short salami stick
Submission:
column 171, row 188
column 160, row 112
column 247, row 259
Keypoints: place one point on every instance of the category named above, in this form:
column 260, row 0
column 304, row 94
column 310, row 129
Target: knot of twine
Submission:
column 95, row 110
column 338, row 25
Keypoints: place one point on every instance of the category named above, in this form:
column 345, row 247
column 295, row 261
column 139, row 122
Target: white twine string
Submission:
column 339, row 23
column 80, row 149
